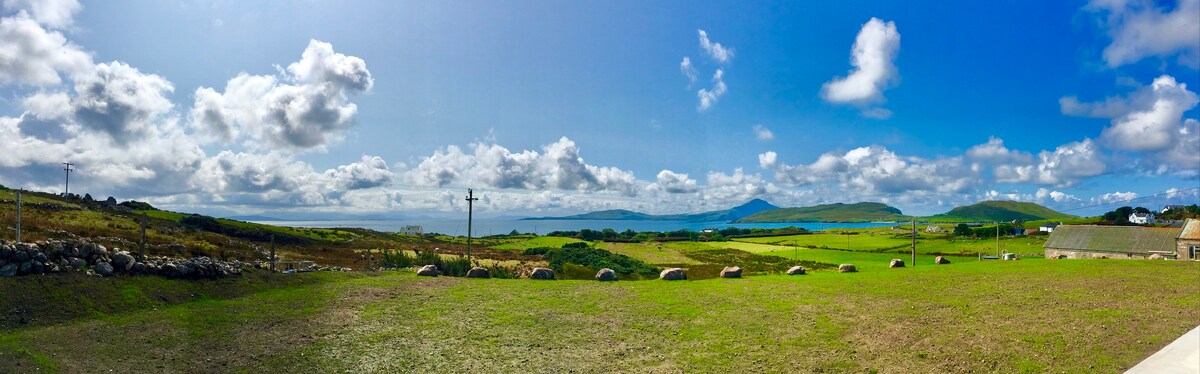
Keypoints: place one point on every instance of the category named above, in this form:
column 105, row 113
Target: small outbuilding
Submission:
column 934, row 229
column 1126, row 242
column 1187, row 244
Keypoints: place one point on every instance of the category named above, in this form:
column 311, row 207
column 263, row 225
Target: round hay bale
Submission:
column 542, row 273
column 896, row 263
column 796, row 270
column 606, row 275
column 940, row 261
column 672, row 274
column 478, row 272
column 847, row 268
column 731, row 272
column 428, row 271
column 1156, row 257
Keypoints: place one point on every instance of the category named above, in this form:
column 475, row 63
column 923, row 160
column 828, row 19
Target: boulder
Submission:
column 672, row 274
column 428, row 271
column 847, row 268
column 19, row 256
column 796, row 270
column 731, row 272
column 541, row 273
column 896, row 263
column 25, row 268
column 100, row 250
column 36, row 267
column 77, row 263
column 606, row 275
column 940, row 261
column 85, row 250
column 9, row 270
column 138, row 268
column 122, row 261
column 478, row 272
column 104, row 269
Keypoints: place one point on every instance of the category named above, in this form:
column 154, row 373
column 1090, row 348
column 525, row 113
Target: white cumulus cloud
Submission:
column 709, row 97
column 1141, row 29
column 874, row 70
column 763, row 133
column 688, row 70
column 715, row 50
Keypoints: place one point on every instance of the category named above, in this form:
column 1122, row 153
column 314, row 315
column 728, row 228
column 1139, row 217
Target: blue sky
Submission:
column 395, row 108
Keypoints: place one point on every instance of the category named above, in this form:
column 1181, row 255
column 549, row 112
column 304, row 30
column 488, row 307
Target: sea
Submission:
column 485, row 227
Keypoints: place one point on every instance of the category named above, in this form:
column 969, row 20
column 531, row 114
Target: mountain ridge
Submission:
column 749, row 208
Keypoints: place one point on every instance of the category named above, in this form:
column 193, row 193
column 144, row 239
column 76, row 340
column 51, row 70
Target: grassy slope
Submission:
column 880, row 241
column 857, row 212
column 999, row 211
column 537, row 241
column 1017, row 316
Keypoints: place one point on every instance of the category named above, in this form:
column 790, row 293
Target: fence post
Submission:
column 18, row 216
column 142, row 245
column 272, row 253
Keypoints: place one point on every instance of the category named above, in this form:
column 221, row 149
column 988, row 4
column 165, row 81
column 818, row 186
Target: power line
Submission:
column 1131, row 199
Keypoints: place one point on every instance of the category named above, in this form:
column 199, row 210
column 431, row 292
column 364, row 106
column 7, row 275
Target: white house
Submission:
column 1141, row 218
column 1048, row 227
column 411, row 230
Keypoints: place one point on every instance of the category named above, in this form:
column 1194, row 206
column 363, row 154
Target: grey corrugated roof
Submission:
column 1129, row 239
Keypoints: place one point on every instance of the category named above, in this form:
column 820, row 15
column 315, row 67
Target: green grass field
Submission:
column 537, row 241
column 1014, row 316
column 890, row 241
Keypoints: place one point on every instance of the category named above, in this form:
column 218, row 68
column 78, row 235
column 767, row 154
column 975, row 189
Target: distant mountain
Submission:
column 749, row 208
column 857, row 212
column 999, row 211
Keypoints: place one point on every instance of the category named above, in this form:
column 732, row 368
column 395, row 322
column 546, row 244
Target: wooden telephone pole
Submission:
column 470, row 211
column 914, row 243
column 18, row 216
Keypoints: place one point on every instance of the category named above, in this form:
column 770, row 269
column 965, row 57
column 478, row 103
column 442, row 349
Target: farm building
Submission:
column 1187, row 244
column 1048, row 227
column 1091, row 241
column 1141, row 218
column 933, row 229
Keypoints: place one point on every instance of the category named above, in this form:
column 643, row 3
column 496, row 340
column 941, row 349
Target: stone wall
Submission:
column 74, row 255
column 1052, row 253
column 1181, row 248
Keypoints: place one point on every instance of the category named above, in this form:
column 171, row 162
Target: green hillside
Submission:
column 999, row 211
column 749, row 208
column 857, row 212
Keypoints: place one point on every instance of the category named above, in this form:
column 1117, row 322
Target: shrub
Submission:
column 397, row 259
column 595, row 259
column 536, row 251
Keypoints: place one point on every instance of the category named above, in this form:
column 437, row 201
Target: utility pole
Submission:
column 914, row 243
column 142, row 245
column 272, row 253
column 997, row 240
column 67, row 181
column 18, row 216
column 470, row 212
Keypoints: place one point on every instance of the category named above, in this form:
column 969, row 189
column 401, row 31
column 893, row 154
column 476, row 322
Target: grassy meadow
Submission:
column 992, row 316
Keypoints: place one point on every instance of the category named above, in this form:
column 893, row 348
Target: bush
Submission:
column 455, row 267
column 137, row 205
column 397, row 259
column 536, row 251
column 595, row 259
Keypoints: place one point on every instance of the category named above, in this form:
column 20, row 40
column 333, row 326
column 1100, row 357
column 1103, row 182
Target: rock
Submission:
column 896, row 263
column 731, row 272
column 104, row 269
column 796, row 270
column 1156, row 257
column 847, row 268
column 138, row 268
column 672, row 274
column 606, row 275
column 19, row 256
column 478, row 272
column 940, row 261
column 85, row 250
column 36, row 267
column 122, row 261
column 100, row 250
column 6, row 251
column 8, row 270
column 3, row 261
column 541, row 273
column 428, row 271
column 25, row 268
column 39, row 256
column 77, row 263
